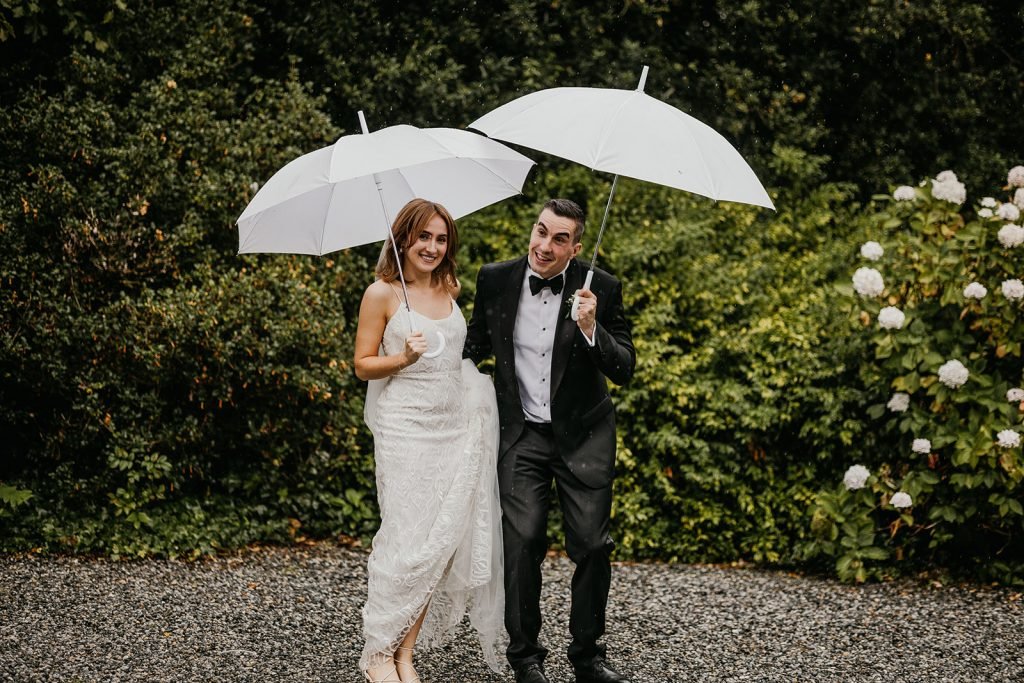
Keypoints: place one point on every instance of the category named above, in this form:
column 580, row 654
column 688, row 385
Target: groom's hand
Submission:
column 588, row 307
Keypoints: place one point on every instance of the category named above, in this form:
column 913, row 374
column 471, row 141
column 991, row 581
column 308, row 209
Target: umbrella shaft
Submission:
column 394, row 247
column 604, row 221
column 387, row 226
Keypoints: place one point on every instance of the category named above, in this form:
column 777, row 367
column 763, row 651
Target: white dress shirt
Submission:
column 534, row 340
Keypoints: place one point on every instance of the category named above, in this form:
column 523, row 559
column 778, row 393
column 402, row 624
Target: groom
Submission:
column 557, row 424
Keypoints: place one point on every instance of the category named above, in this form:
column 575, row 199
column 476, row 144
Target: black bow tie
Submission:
column 539, row 283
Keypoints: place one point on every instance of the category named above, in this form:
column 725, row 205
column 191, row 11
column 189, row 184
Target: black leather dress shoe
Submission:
column 598, row 672
column 531, row 673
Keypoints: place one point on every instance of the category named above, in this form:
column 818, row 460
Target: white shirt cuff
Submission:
column 590, row 340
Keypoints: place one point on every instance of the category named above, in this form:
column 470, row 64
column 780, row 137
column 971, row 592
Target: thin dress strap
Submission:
column 398, row 296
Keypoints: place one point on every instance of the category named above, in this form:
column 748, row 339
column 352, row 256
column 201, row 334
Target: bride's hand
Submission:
column 415, row 346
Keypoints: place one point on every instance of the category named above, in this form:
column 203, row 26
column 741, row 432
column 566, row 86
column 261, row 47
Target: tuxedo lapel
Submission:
column 566, row 328
column 508, row 310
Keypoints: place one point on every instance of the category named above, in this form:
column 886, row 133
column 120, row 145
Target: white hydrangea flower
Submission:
column 901, row 500
column 891, row 318
column 1015, row 178
column 1013, row 289
column 923, row 446
column 899, row 402
column 984, row 213
column 1011, row 235
column 1008, row 212
column 989, row 202
column 868, row 282
column 1015, row 395
column 904, row 193
column 1008, row 438
column 949, row 190
column 856, row 477
column 953, row 374
column 975, row 290
column 872, row 251
column 1018, row 197
column 947, row 177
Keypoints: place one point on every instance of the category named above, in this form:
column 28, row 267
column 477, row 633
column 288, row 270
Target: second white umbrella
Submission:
column 345, row 195
column 629, row 133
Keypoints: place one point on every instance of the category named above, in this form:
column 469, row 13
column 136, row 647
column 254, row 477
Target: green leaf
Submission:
column 874, row 553
column 13, row 497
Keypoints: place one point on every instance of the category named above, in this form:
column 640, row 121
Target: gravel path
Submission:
column 294, row 615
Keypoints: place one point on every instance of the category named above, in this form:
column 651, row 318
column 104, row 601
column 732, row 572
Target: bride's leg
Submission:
column 403, row 656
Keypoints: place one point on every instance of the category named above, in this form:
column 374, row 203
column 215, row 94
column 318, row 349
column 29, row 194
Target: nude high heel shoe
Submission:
column 416, row 677
column 390, row 677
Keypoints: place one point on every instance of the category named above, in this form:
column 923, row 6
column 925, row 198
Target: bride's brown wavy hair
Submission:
column 409, row 223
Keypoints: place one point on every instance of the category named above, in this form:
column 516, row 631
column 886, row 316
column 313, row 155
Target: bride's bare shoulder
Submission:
column 379, row 294
column 378, row 289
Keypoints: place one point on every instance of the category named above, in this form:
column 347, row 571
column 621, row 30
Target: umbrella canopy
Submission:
column 344, row 195
column 629, row 133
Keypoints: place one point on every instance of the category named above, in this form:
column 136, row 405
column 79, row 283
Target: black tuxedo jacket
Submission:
column 582, row 416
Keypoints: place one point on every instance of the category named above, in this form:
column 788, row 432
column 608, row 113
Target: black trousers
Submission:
column 525, row 474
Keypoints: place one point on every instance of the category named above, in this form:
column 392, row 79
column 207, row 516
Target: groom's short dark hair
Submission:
column 567, row 208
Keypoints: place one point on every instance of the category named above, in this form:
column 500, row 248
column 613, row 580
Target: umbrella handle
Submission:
column 442, row 342
column 576, row 301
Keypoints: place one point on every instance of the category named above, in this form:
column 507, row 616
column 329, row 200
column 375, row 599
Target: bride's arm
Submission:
column 373, row 318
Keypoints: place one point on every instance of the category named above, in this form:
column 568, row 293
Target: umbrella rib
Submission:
column 252, row 230
column 704, row 162
column 323, row 230
column 710, row 179
column 504, row 182
column 401, row 172
column 608, row 122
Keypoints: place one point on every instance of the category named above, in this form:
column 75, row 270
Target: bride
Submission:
column 437, row 553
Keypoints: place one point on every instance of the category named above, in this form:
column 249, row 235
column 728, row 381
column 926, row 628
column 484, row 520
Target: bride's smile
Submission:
column 428, row 249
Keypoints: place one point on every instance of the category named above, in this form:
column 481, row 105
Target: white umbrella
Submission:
column 344, row 195
column 331, row 199
column 629, row 133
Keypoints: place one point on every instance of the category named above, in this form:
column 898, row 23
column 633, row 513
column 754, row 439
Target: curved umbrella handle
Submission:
column 576, row 301
column 442, row 342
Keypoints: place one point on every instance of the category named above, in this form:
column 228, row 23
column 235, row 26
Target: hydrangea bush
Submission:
column 941, row 305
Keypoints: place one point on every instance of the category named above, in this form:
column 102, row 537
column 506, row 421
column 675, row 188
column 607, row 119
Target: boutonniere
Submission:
column 569, row 302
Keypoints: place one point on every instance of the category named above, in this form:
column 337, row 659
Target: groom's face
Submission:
column 551, row 243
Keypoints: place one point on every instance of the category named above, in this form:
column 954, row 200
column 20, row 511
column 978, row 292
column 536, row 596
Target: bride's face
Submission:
column 428, row 249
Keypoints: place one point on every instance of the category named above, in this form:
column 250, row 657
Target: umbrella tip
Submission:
column 643, row 79
column 362, row 123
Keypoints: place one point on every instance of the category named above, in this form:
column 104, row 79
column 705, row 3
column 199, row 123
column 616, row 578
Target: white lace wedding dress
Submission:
column 435, row 429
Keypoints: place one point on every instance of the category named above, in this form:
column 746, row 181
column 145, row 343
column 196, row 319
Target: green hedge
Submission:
column 161, row 395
